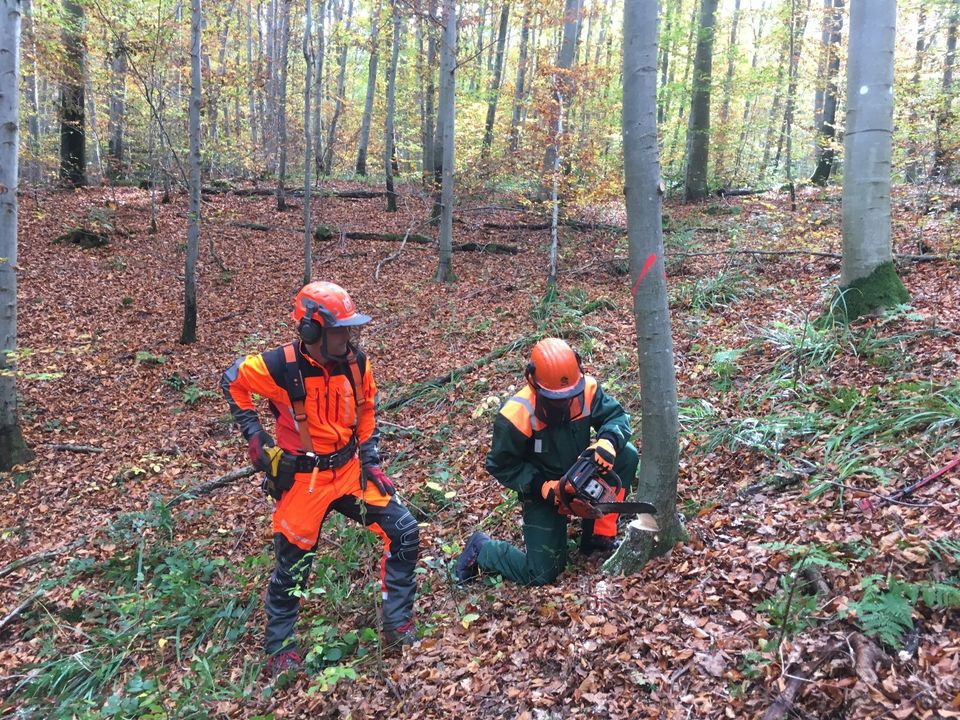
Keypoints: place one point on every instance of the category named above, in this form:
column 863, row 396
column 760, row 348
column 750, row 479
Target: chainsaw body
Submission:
column 588, row 494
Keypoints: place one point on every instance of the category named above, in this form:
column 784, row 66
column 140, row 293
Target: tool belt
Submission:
column 330, row 461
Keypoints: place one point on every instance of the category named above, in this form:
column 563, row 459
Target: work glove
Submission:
column 550, row 491
column 604, row 454
column 379, row 478
column 264, row 454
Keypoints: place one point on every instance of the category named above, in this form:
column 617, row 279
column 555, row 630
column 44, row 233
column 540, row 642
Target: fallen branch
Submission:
column 259, row 227
column 785, row 253
column 491, row 247
column 783, row 705
column 326, row 233
column 70, row 447
column 13, row 614
column 740, row 192
column 296, row 192
column 422, row 387
column 40, row 557
column 208, row 487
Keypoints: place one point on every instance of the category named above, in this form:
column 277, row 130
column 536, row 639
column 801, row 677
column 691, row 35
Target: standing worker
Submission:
column 538, row 435
column 322, row 395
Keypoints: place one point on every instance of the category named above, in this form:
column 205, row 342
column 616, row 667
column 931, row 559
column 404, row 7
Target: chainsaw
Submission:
column 588, row 494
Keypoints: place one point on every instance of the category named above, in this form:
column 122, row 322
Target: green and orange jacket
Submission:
column 333, row 414
column 524, row 448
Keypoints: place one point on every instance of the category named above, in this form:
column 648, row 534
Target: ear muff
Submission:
column 310, row 330
column 530, row 375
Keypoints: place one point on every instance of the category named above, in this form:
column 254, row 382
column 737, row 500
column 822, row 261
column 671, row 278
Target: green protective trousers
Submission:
column 544, row 536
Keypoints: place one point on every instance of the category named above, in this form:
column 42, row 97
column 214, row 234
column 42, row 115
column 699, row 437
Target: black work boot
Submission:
column 600, row 544
column 406, row 634
column 467, row 568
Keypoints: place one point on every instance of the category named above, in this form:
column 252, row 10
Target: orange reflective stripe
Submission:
column 520, row 412
column 589, row 393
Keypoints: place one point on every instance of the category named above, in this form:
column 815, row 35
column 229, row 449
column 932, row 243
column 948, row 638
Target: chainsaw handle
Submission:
column 613, row 479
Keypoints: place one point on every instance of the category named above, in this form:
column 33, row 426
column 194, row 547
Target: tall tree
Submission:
column 914, row 169
column 495, row 82
column 118, row 88
column 698, row 128
column 282, row 104
column 189, row 332
column 643, row 190
column 563, row 85
column 868, row 279
column 73, row 157
column 725, row 130
column 30, row 85
column 945, row 114
column 826, row 117
column 307, row 145
column 448, row 84
column 13, row 449
column 389, row 146
column 519, row 92
column 318, row 52
column 361, row 168
column 343, row 32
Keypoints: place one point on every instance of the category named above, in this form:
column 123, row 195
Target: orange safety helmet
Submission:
column 556, row 375
column 324, row 304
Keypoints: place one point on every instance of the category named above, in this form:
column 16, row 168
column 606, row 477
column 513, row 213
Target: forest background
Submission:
column 136, row 543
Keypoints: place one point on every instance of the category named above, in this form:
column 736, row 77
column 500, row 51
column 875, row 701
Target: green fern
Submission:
column 946, row 547
column 887, row 614
column 817, row 555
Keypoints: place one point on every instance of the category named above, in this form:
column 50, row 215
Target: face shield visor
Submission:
column 558, row 407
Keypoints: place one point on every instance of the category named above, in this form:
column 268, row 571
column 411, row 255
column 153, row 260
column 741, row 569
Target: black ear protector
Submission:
column 311, row 330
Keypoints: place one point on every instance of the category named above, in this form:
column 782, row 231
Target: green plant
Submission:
column 148, row 358
column 885, row 611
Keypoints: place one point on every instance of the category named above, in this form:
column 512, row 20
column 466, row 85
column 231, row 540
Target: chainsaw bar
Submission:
column 626, row 508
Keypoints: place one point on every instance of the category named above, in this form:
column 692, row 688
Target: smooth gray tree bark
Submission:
column 643, row 190
column 914, row 170
column 343, row 34
column 494, row 93
column 13, row 449
column 388, row 130
column 447, row 111
column 945, row 114
column 563, row 83
column 118, row 92
column 307, row 145
column 519, row 91
column 189, row 332
column 695, row 185
column 826, row 118
column 282, row 104
column 363, row 141
column 868, row 279
column 32, row 94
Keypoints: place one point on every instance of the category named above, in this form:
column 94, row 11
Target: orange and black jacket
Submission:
column 525, row 448
column 333, row 414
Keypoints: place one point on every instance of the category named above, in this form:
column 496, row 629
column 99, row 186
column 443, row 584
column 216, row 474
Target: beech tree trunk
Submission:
column 118, row 82
column 388, row 139
column 30, row 85
column 73, row 156
column 519, row 92
column 282, row 105
column 643, row 190
column 723, row 127
column 945, row 115
column 448, row 67
column 361, row 168
column 429, row 95
column 189, row 332
column 695, row 185
column 914, row 170
column 343, row 34
column 307, row 145
column 495, row 83
column 563, row 83
column 868, row 279
column 13, row 449
column 827, row 117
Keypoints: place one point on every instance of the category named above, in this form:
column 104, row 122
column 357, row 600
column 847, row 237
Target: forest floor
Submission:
column 790, row 599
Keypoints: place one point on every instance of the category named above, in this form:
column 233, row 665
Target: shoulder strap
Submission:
column 293, row 379
column 356, row 376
